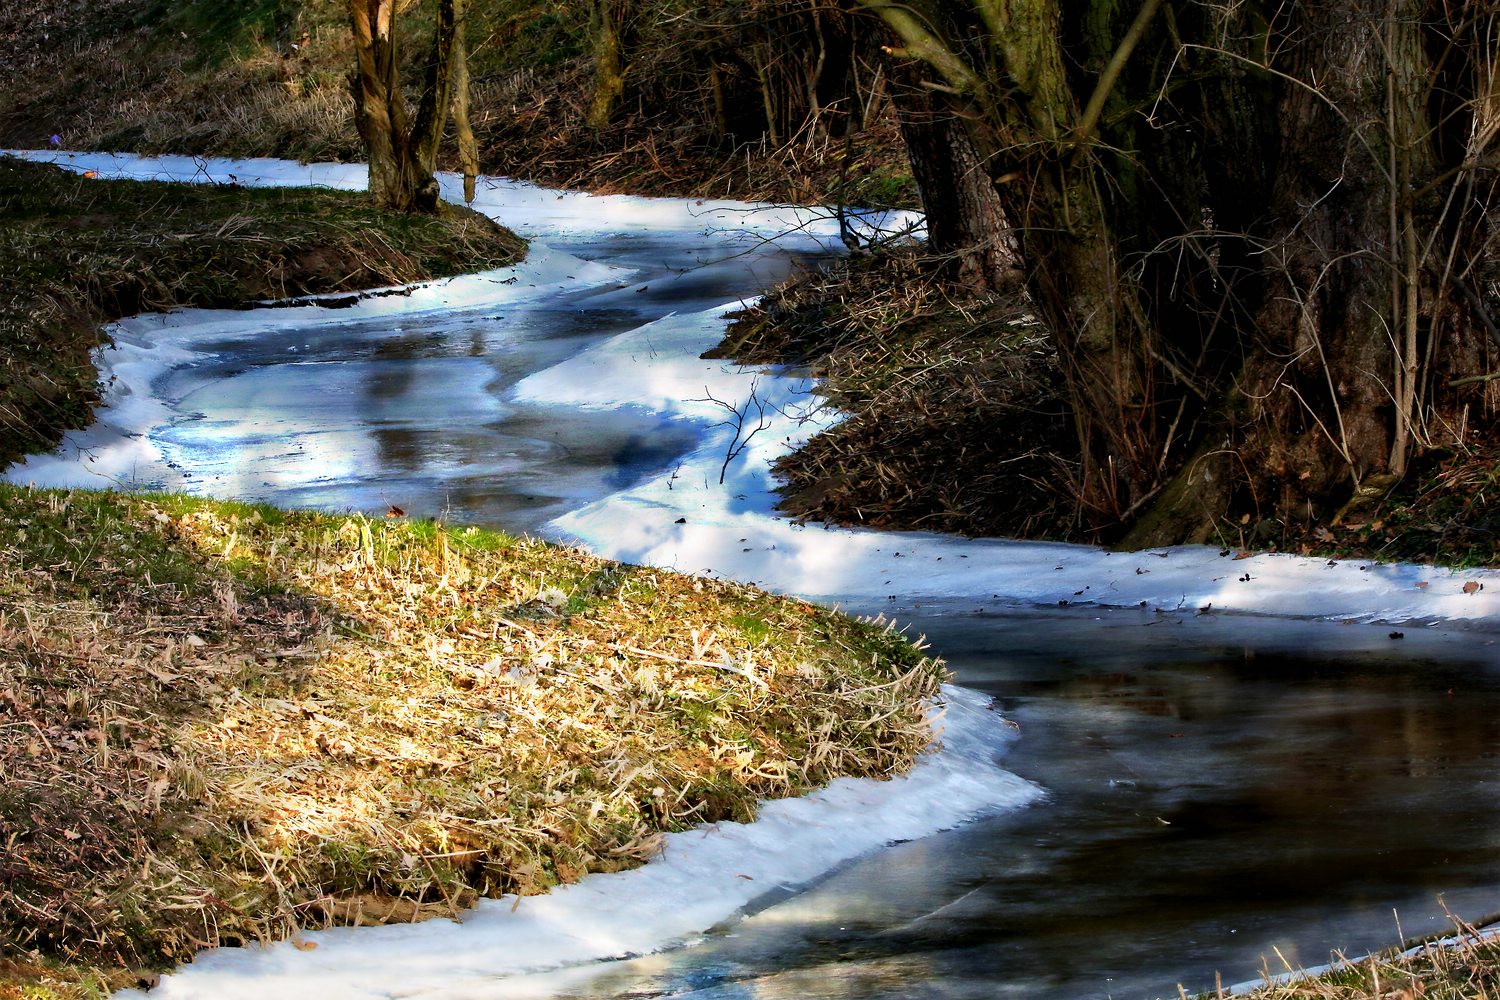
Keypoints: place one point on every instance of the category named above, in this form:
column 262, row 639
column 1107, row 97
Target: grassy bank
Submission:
column 225, row 722
column 78, row 252
column 927, row 372
column 1462, row 966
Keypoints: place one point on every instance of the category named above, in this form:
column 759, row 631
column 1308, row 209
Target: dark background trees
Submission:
column 1247, row 226
column 1254, row 232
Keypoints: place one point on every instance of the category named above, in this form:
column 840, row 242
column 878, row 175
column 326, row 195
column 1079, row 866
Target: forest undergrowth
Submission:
column 957, row 421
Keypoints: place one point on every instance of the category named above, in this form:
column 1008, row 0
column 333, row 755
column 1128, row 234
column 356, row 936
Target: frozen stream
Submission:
column 1235, row 755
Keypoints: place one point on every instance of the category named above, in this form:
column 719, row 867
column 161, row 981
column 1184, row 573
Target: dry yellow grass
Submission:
column 1461, row 965
column 219, row 723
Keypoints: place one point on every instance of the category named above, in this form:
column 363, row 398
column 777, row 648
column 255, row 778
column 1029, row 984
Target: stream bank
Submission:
column 78, row 253
column 709, row 511
column 254, row 721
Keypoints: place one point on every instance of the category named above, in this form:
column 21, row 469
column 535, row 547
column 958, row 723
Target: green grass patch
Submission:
column 225, row 31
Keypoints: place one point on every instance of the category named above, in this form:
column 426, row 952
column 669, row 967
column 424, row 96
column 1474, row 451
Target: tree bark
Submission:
column 1023, row 118
column 610, row 17
column 963, row 213
column 1338, row 331
column 1238, row 224
column 402, row 152
column 379, row 107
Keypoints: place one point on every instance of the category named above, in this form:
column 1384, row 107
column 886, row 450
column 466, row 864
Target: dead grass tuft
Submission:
column 956, row 414
column 1461, row 966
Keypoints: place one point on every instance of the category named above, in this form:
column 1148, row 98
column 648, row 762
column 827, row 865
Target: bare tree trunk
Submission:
column 1334, row 387
column 1031, row 133
column 379, row 107
column 468, row 146
column 963, row 213
column 610, row 17
column 403, row 154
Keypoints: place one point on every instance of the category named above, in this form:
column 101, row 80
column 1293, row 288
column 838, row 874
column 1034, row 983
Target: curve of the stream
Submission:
column 1239, row 760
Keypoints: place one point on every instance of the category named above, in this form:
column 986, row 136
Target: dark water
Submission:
column 1218, row 788
column 1217, row 791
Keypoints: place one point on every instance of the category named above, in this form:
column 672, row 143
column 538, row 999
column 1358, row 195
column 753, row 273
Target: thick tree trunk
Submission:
column 964, row 218
column 1025, row 124
column 1334, row 381
column 1247, row 238
column 379, row 107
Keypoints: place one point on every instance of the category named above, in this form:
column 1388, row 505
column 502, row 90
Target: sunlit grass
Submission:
column 1462, row 966
column 230, row 721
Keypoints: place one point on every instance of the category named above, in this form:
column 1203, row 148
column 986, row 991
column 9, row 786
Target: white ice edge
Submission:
column 701, row 878
column 658, row 367
column 691, row 521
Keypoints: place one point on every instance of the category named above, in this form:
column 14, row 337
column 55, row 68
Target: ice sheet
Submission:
column 702, row 878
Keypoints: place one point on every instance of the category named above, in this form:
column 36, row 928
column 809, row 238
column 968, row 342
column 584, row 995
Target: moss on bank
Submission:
column 77, row 252
column 225, row 722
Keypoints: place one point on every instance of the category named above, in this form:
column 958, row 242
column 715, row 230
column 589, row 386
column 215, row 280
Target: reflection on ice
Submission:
column 569, row 396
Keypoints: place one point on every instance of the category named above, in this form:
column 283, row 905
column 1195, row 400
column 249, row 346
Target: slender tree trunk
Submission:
column 468, row 146
column 403, row 153
column 610, row 17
